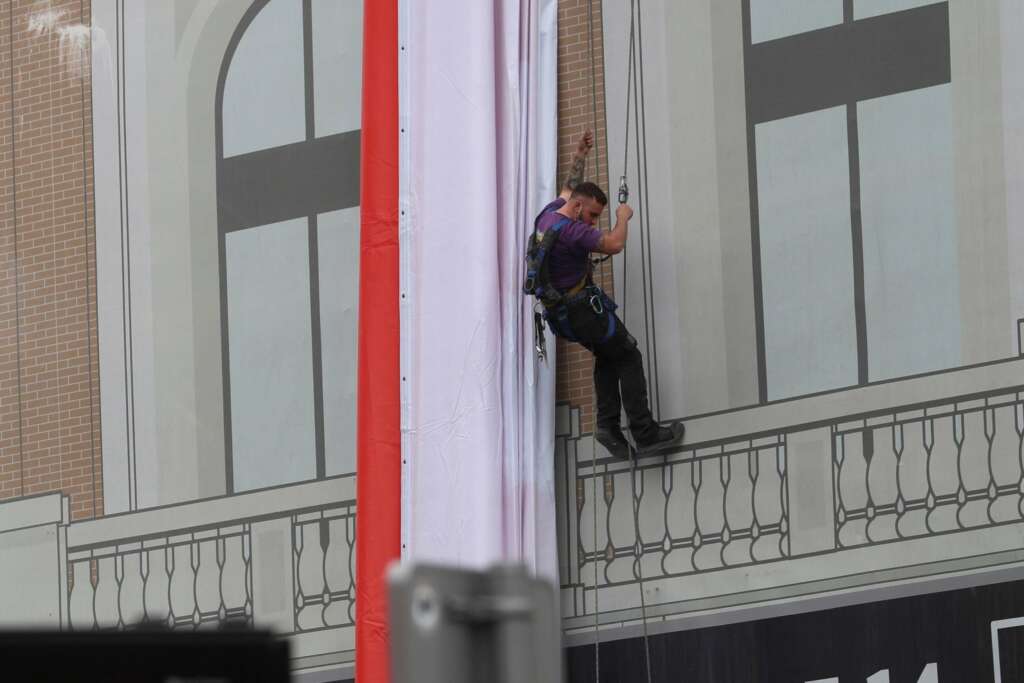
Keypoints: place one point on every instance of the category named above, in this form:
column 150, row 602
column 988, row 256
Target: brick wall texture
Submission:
column 49, row 369
column 581, row 105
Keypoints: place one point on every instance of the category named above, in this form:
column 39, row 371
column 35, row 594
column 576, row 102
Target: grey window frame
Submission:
column 837, row 66
column 299, row 180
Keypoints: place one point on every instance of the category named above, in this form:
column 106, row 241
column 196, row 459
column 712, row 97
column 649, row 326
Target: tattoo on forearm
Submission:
column 576, row 172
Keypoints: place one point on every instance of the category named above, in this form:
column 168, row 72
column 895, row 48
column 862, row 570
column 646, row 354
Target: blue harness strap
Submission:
column 559, row 317
column 537, row 285
column 536, row 282
column 541, row 283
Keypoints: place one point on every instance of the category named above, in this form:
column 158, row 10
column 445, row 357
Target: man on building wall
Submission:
column 560, row 275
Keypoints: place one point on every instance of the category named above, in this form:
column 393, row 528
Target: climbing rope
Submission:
column 635, row 94
column 593, row 117
column 648, row 269
column 632, row 79
column 593, row 440
column 638, row 569
column 597, row 607
column 635, row 105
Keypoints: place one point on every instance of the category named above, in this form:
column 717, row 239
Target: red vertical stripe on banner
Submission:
column 378, row 493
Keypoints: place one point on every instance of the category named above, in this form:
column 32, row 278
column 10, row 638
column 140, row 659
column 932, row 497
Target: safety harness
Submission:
column 554, row 304
column 537, row 283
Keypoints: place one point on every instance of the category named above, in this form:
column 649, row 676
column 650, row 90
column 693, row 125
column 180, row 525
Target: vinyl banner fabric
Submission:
column 478, row 154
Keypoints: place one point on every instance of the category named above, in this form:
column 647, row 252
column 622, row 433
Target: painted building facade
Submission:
column 823, row 274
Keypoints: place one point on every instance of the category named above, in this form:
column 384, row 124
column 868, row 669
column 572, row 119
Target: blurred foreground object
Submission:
column 455, row 626
column 144, row 656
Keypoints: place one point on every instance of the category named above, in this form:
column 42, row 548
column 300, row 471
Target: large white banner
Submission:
column 479, row 126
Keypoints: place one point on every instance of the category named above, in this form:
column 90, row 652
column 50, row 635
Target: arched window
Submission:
column 287, row 119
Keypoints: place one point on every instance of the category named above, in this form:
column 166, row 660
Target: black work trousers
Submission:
column 618, row 366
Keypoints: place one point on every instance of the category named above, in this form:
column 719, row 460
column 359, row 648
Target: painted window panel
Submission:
column 264, row 92
column 337, row 65
column 338, row 240
column 271, row 357
column 806, row 253
column 771, row 19
column 911, row 280
column 863, row 9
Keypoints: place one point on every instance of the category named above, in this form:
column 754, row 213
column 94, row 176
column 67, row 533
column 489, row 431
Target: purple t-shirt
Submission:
column 568, row 261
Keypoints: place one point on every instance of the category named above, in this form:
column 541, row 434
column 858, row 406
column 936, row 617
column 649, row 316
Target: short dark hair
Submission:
column 591, row 190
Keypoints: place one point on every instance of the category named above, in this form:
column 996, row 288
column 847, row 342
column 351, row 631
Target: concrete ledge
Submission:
column 881, row 398
column 22, row 513
column 213, row 512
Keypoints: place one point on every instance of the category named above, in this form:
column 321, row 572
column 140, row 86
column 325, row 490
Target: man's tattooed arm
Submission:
column 576, row 172
column 579, row 162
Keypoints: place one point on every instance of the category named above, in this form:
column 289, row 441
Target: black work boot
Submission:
column 613, row 440
column 665, row 437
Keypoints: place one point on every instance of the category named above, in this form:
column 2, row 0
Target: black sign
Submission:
column 144, row 655
column 975, row 635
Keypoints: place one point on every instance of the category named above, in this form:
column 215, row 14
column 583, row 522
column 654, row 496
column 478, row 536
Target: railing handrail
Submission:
column 811, row 412
column 216, row 512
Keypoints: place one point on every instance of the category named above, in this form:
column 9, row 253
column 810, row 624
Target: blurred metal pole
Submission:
column 457, row 626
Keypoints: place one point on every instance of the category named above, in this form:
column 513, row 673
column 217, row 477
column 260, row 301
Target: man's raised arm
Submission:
column 579, row 161
column 614, row 241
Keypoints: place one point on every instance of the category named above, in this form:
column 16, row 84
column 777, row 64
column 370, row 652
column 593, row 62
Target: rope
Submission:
column 593, row 436
column 637, row 567
column 634, row 90
column 597, row 608
column 649, row 268
column 593, row 114
column 640, row 209
column 629, row 85
column 634, row 97
column 625, row 157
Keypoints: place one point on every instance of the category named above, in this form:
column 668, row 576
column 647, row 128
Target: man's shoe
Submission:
column 666, row 437
column 613, row 440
